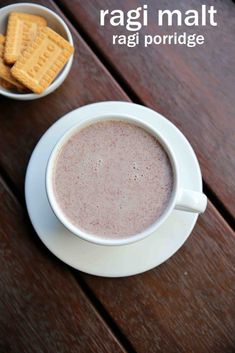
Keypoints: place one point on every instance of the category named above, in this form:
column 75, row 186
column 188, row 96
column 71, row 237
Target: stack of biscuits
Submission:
column 31, row 54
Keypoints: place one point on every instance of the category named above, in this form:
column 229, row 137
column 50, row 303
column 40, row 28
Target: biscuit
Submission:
column 7, row 85
column 21, row 31
column 41, row 61
column 5, row 71
column 2, row 39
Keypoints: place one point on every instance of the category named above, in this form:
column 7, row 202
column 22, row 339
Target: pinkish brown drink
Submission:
column 112, row 179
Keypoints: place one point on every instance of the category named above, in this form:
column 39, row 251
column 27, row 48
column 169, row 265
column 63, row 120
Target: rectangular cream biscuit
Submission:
column 5, row 71
column 21, row 31
column 41, row 62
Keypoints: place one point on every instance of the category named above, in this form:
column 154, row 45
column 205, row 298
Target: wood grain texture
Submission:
column 42, row 308
column 185, row 305
column 193, row 87
column 23, row 123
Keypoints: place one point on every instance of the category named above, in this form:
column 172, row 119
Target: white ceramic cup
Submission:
column 53, row 21
column 181, row 199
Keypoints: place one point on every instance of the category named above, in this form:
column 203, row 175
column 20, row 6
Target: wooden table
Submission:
column 188, row 303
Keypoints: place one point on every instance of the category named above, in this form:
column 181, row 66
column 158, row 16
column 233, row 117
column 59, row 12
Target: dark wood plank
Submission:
column 23, row 123
column 185, row 305
column 165, row 309
column 42, row 308
column 193, row 87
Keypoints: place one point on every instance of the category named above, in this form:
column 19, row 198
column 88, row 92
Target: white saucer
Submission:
column 110, row 261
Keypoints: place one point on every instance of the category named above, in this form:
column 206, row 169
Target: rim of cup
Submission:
column 97, row 239
column 64, row 72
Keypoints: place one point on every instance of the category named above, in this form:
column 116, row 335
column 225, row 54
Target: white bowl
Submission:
column 53, row 21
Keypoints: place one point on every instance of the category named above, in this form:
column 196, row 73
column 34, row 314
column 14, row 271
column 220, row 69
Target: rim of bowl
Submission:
column 61, row 76
column 96, row 238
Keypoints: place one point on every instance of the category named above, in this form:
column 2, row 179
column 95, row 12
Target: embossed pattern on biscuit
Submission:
column 41, row 62
column 5, row 71
column 21, row 31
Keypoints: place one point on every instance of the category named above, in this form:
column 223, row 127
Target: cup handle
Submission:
column 191, row 201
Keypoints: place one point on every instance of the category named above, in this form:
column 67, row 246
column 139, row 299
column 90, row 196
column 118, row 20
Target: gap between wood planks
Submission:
column 135, row 98
column 98, row 307
column 94, row 301
column 128, row 90
column 116, row 331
